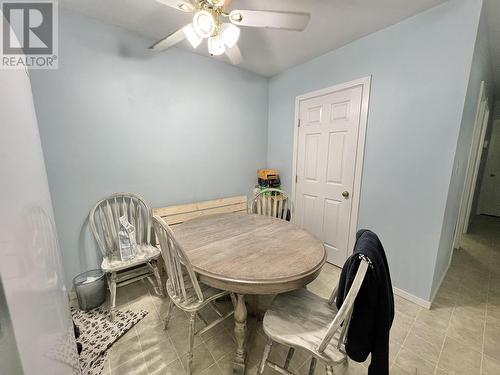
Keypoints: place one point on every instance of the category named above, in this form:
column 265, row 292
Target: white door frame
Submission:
column 363, row 121
column 480, row 203
column 474, row 161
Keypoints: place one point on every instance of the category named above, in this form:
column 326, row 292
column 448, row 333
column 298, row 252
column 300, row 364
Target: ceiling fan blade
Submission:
column 182, row 5
column 234, row 55
column 169, row 41
column 270, row 19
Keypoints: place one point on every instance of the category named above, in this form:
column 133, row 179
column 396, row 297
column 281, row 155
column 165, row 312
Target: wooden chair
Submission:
column 183, row 287
column 104, row 223
column 301, row 319
column 272, row 202
column 178, row 214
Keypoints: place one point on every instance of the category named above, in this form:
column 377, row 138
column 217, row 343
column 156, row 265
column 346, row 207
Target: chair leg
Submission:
column 192, row 324
column 169, row 314
column 312, row 367
column 289, row 358
column 265, row 355
column 157, row 284
column 156, row 272
column 112, row 290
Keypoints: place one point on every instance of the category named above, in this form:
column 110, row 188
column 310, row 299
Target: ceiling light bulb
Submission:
column 192, row 35
column 204, row 23
column 229, row 34
column 216, row 45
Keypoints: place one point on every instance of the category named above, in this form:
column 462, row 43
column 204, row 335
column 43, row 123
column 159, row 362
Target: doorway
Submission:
column 489, row 195
column 476, row 150
column 329, row 143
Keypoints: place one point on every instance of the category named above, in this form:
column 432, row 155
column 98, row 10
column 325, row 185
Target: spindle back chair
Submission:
column 105, row 225
column 272, row 202
column 303, row 320
column 183, row 287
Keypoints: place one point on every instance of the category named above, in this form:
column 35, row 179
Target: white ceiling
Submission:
column 333, row 24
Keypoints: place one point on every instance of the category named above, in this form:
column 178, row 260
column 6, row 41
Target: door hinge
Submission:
column 296, row 178
column 298, row 124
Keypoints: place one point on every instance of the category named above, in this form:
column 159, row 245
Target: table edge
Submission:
column 268, row 286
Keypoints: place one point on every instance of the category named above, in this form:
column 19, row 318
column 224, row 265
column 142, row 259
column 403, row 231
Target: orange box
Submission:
column 268, row 174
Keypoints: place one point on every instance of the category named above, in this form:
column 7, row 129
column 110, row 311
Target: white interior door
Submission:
column 326, row 159
column 489, row 196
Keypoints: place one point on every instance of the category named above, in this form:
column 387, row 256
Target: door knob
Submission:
column 492, row 175
column 345, row 194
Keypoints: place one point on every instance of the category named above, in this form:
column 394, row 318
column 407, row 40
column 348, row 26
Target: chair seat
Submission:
column 145, row 253
column 191, row 303
column 301, row 319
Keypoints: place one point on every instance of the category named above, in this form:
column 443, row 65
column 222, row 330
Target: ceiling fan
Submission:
column 208, row 23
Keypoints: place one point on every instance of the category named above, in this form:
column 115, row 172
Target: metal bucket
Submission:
column 90, row 289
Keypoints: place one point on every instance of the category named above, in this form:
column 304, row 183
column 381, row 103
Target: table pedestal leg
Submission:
column 240, row 333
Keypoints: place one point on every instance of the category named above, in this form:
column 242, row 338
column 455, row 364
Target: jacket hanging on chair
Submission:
column 373, row 311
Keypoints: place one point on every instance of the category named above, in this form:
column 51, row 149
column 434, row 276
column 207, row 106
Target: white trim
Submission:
column 363, row 121
column 435, row 292
column 480, row 202
column 477, row 163
column 473, row 163
column 410, row 297
column 486, row 120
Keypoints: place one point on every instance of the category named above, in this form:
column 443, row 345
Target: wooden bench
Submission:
column 178, row 214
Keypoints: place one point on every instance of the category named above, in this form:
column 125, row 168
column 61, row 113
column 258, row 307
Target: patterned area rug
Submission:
column 98, row 333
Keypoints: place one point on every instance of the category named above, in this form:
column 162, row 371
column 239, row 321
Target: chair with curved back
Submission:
column 104, row 223
column 272, row 202
column 303, row 320
column 183, row 287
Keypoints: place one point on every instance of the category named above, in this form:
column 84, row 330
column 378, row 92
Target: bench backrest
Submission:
column 178, row 214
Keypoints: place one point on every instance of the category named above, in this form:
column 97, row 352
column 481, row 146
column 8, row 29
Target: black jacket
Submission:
column 374, row 306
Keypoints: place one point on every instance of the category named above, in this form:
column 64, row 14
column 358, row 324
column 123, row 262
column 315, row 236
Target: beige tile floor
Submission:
column 459, row 335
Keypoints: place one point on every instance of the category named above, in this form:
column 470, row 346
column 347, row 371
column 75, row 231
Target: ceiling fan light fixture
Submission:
column 216, row 3
column 229, row 34
column 235, row 16
column 191, row 35
column 216, row 45
column 204, row 23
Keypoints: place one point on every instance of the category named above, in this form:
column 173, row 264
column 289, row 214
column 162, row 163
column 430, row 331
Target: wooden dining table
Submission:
column 250, row 254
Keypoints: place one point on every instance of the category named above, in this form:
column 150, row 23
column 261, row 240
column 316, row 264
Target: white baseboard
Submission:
column 435, row 292
column 410, row 297
column 420, row 301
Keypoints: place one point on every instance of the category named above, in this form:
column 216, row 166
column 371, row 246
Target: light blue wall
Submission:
column 115, row 118
column 175, row 127
column 481, row 70
column 420, row 69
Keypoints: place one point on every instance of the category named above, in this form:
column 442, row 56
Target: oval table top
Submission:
column 250, row 254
